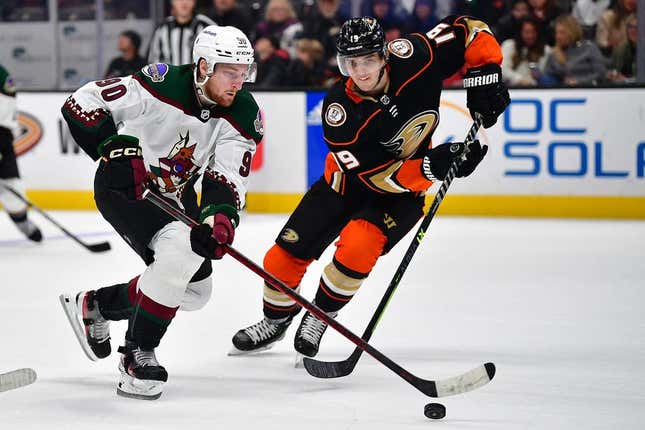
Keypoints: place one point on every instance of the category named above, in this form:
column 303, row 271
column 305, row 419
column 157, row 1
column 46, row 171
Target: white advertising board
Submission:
column 564, row 144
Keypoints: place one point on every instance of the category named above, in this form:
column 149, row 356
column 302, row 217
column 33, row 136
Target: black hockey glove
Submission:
column 217, row 229
column 487, row 94
column 125, row 172
column 438, row 160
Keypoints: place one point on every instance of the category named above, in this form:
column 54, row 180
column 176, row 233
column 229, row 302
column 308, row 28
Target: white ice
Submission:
column 556, row 304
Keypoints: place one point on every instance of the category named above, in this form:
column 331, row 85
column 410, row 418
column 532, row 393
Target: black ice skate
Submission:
column 29, row 229
column 90, row 328
column 309, row 333
column 260, row 336
column 142, row 377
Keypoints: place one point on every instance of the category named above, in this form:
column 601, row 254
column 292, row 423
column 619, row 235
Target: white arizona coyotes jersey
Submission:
column 179, row 137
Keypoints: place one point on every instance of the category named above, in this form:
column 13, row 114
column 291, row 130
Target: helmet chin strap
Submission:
column 199, row 88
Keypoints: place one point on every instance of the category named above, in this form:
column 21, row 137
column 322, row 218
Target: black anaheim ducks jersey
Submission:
column 377, row 144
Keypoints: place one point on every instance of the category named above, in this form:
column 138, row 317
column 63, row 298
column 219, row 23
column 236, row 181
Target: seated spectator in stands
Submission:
column 423, row 17
column 129, row 61
column 545, row 11
column 525, row 56
column 396, row 8
column 588, row 12
column 391, row 21
column 489, row 11
column 228, row 12
column 573, row 61
column 281, row 23
column 624, row 57
column 322, row 22
column 307, row 68
column 508, row 26
column 272, row 64
column 611, row 27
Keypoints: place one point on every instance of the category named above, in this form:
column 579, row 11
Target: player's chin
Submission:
column 226, row 99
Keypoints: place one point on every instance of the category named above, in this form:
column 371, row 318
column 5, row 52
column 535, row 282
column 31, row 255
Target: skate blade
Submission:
column 69, row 306
column 235, row 352
column 133, row 388
column 16, row 379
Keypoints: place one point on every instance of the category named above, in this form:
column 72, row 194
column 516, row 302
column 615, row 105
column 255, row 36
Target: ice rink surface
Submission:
column 556, row 304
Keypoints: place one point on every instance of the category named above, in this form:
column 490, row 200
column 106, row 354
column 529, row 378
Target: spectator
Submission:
column 322, row 22
column 508, row 25
column 229, row 13
column 624, row 58
column 281, row 23
column 307, row 68
column 611, row 27
column 525, row 56
column 545, row 11
column 172, row 40
column 396, row 8
column 489, row 11
column 130, row 61
column 272, row 63
column 573, row 61
column 423, row 17
column 391, row 20
column 588, row 12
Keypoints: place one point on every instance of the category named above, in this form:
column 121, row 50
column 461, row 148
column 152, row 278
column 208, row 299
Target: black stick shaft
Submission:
column 351, row 361
column 426, row 387
column 96, row 247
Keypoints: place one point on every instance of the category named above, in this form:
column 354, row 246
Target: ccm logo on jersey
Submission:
column 126, row 152
column 478, row 81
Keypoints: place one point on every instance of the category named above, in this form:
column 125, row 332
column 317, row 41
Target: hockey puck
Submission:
column 434, row 411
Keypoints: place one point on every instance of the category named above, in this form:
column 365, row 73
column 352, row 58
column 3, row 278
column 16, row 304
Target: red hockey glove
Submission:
column 438, row 160
column 124, row 170
column 216, row 230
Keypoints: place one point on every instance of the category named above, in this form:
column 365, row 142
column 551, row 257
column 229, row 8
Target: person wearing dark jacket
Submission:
column 130, row 61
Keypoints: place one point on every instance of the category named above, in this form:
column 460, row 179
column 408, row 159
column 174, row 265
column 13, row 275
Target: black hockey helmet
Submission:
column 359, row 36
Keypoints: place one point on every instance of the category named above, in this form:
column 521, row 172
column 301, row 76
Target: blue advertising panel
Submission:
column 316, row 148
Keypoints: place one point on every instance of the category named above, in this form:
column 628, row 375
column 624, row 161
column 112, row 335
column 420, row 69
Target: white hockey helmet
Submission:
column 229, row 45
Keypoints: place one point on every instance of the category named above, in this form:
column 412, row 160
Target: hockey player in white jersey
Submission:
column 9, row 175
column 164, row 128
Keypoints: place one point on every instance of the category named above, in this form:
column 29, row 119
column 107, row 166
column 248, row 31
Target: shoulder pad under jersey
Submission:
column 244, row 114
column 172, row 84
column 413, row 50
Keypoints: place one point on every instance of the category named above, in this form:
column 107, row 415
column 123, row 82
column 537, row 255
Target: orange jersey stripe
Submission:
column 409, row 175
column 413, row 77
column 377, row 111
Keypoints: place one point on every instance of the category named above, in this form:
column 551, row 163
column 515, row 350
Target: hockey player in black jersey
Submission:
column 378, row 123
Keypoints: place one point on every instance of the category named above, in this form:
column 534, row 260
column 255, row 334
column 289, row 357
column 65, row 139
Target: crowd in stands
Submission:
column 545, row 42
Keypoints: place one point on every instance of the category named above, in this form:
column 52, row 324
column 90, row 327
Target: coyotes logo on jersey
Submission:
column 177, row 168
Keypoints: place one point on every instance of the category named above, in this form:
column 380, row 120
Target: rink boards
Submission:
column 557, row 153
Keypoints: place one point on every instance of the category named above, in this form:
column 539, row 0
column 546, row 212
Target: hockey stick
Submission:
column 92, row 247
column 16, row 379
column 468, row 381
column 337, row 369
